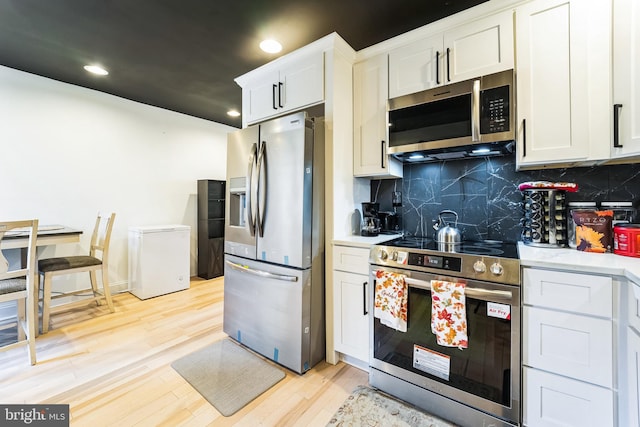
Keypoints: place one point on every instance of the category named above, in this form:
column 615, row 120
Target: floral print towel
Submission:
column 448, row 314
column 390, row 305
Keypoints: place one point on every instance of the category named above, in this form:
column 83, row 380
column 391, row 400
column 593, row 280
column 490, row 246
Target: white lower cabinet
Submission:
column 554, row 400
column 630, row 360
column 350, row 308
column 568, row 349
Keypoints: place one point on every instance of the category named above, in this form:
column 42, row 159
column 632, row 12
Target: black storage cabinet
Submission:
column 211, row 208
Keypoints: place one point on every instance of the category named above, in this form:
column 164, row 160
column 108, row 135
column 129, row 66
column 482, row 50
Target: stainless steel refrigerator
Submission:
column 274, row 240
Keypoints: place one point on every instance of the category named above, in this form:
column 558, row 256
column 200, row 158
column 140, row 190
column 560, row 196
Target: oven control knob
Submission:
column 497, row 269
column 479, row 266
column 394, row 256
column 383, row 255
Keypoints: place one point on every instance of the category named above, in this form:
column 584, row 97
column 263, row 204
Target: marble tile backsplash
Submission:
column 484, row 192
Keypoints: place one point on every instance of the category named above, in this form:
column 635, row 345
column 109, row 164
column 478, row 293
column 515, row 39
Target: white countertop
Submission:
column 572, row 259
column 364, row 242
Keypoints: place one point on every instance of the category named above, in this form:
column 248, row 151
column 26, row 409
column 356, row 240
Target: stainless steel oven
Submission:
column 475, row 386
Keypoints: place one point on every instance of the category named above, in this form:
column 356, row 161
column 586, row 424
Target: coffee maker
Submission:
column 370, row 219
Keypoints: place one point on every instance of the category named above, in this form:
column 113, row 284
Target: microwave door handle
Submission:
column 475, row 111
column 251, row 212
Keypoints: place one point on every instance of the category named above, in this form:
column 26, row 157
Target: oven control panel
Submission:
column 435, row 261
column 487, row 268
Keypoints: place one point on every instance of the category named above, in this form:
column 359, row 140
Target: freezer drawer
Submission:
column 269, row 309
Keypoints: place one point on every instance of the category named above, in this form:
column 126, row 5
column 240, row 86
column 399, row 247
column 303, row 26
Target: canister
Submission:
column 626, row 240
column 623, row 212
column 571, row 225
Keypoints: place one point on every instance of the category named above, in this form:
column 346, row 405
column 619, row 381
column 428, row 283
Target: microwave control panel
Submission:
column 494, row 111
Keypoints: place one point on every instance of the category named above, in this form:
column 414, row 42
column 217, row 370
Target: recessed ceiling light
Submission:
column 96, row 69
column 270, row 46
column 233, row 113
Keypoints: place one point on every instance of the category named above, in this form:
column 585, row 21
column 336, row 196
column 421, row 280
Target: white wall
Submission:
column 67, row 152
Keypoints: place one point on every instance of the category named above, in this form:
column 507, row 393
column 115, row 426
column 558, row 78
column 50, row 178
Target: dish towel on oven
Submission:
column 448, row 314
column 390, row 305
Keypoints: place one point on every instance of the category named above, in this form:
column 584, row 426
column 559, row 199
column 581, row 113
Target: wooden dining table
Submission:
column 47, row 235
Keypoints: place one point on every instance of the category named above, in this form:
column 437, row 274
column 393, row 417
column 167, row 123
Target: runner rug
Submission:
column 368, row 407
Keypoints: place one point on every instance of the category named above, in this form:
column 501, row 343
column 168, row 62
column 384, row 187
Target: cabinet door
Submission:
column 284, row 87
column 351, row 326
column 416, row 66
column 481, row 47
column 302, row 82
column 370, row 158
column 631, row 396
column 562, row 80
column 552, row 400
column 260, row 98
column 633, row 298
column 568, row 344
column 626, row 65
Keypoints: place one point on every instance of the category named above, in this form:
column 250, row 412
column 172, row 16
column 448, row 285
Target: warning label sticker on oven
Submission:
column 501, row 311
column 431, row 362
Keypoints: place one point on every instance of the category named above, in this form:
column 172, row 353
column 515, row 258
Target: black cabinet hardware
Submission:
column 364, row 298
column 616, row 125
column 437, row 67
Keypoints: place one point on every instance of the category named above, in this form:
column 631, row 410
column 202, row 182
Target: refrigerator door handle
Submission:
column 261, row 273
column 251, row 212
column 262, row 188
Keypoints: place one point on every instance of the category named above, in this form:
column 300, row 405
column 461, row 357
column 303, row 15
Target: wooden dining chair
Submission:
column 96, row 260
column 19, row 284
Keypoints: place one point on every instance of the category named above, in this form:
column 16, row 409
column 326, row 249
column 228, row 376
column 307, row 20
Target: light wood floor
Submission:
column 115, row 369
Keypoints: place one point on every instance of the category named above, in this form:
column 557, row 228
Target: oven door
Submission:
column 485, row 375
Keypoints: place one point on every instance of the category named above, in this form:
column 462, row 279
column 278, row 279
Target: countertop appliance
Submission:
column 158, row 259
column 477, row 385
column 466, row 119
column 370, row 219
column 274, row 234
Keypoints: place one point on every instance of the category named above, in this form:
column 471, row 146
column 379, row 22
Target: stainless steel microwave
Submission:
column 467, row 119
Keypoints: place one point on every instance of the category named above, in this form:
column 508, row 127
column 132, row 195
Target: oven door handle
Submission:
column 485, row 294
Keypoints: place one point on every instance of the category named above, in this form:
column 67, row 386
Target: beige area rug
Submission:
column 228, row 375
column 371, row 408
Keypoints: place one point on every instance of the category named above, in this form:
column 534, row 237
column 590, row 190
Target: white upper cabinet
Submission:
column 370, row 158
column 626, row 72
column 563, row 76
column 482, row 46
column 284, row 86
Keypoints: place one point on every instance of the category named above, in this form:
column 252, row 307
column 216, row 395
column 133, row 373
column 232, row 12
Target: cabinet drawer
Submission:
column 350, row 259
column 551, row 400
column 568, row 344
column 579, row 293
column 633, row 296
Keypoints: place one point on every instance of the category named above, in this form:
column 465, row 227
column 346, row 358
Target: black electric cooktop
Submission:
column 494, row 248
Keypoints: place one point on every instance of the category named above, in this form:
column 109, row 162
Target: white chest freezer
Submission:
column 158, row 259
